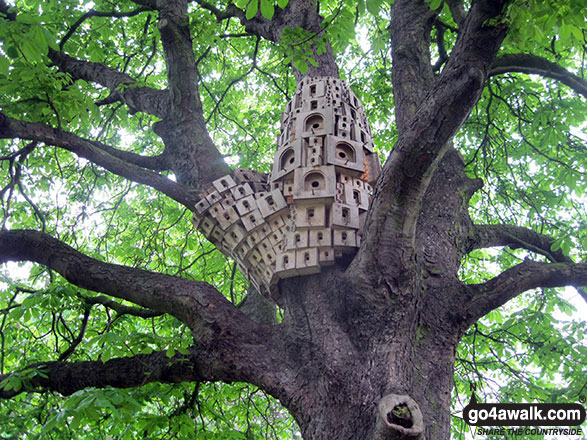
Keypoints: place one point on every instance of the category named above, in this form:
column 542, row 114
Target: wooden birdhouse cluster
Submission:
column 311, row 210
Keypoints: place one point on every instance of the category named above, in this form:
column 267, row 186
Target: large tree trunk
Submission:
column 349, row 357
column 352, row 338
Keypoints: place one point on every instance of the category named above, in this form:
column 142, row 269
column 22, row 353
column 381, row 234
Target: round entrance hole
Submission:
column 314, row 181
column 345, row 152
column 287, row 159
column 314, row 122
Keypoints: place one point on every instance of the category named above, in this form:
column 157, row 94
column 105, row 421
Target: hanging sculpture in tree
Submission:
column 310, row 211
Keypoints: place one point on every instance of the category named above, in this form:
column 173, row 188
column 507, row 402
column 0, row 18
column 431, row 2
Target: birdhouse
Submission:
column 309, row 212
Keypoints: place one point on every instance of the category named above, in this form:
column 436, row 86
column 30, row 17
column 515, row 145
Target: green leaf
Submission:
column 361, row 6
column 556, row 244
column 50, row 39
column 27, row 17
column 39, row 38
column 170, row 352
column 14, row 383
column 301, row 65
column 373, row 6
column 282, row 3
column 12, row 52
column 30, row 50
column 16, row 314
column 252, row 9
column 576, row 33
column 4, row 65
column 267, row 9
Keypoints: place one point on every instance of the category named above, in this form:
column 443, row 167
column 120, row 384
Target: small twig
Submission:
column 2, row 337
column 442, row 55
column 236, row 80
column 121, row 309
column 93, row 13
column 79, row 337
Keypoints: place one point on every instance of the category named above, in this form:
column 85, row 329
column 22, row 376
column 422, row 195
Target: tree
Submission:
column 117, row 115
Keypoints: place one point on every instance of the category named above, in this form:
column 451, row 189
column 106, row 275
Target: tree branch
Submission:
column 535, row 65
column 442, row 55
column 190, row 301
column 68, row 377
column 412, row 75
column 121, row 309
column 229, row 12
column 518, row 237
column 482, row 298
column 233, row 344
column 144, row 99
column 147, row 3
column 200, row 364
column 118, row 162
column 194, row 158
column 179, row 57
column 94, row 13
column 425, row 134
column 230, row 345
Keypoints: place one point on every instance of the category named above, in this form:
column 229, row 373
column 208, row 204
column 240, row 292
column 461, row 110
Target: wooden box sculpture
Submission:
column 311, row 209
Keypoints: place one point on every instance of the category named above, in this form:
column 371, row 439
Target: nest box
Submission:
column 310, row 210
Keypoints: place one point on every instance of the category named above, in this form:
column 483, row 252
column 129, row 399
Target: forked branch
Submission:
column 430, row 121
column 122, row 86
column 94, row 13
column 535, row 65
column 525, row 276
column 517, row 237
column 194, row 157
column 145, row 99
column 192, row 302
column 125, row 164
column 230, row 346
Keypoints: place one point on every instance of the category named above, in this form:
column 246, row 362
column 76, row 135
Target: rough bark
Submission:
column 482, row 298
column 194, row 158
column 68, row 377
column 535, row 65
column 430, row 118
column 122, row 163
column 144, row 99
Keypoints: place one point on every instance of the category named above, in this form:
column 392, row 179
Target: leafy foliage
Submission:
column 525, row 139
